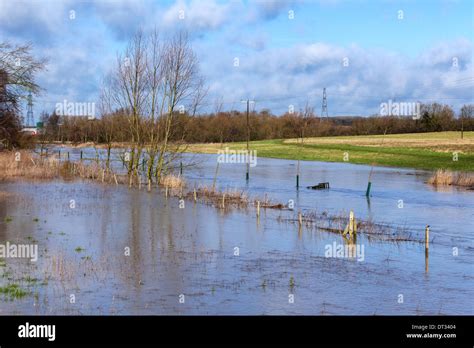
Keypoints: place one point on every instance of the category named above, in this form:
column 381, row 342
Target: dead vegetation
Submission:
column 51, row 167
column 22, row 165
column 447, row 177
column 173, row 181
column 5, row 194
column 230, row 198
column 336, row 223
column 26, row 165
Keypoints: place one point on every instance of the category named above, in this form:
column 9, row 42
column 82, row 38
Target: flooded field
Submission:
column 106, row 249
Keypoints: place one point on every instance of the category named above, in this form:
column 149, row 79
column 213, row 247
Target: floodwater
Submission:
column 124, row 251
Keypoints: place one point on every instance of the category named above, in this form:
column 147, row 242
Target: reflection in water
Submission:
column 426, row 260
column 190, row 251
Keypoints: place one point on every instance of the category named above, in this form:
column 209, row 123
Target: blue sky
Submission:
column 403, row 56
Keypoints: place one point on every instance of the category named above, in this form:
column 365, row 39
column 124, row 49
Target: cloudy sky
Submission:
column 364, row 52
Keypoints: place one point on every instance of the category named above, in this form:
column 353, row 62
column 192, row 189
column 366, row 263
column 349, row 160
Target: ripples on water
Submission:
column 192, row 251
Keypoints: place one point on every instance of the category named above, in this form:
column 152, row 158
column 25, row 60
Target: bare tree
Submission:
column 155, row 72
column 154, row 80
column 127, row 88
column 182, row 85
column 18, row 68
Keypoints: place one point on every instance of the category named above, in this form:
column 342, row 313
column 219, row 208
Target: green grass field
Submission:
column 420, row 150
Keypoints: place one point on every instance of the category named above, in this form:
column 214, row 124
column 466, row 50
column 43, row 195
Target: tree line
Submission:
column 150, row 99
column 231, row 126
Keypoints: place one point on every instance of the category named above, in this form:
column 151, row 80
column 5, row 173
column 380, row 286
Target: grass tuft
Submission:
column 447, row 177
column 13, row 291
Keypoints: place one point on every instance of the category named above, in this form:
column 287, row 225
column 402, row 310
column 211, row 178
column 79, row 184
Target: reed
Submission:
column 21, row 164
column 448, row 177
column 24, row 165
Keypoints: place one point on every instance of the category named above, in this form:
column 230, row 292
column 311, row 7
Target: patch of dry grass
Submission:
column 21, row 164
column 230, row 198
column 448, row 177
column 372, row 230
column 5, row 194
column 24, row 165
column 224, row 199
column 172, row 181
column 436, row 141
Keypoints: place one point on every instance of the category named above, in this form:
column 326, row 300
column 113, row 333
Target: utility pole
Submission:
column 29, row 113
column 324, row 109
column 248, row 101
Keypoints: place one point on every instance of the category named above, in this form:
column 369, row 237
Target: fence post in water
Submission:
column 298, row 176
column 352, row 224
column 81, row 155
column 427, row 247
column 194, row 194
column 258, row 208
column 351, row 227
column 59, row 154
column 367, row 193
column 181, row 168
column 300, row 219
column 68, row 155
column 223, row 201
column 427, row 238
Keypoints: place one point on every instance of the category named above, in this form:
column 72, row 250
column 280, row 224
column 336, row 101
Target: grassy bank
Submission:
column 420, row 150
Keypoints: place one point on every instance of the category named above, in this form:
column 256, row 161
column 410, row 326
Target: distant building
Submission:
column 30, row 130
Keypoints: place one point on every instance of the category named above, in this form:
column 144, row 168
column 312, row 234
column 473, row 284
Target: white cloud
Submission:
column 123, row 17
column 33, row 19
column 80, row 54
column 277, row 77
column 197, row 15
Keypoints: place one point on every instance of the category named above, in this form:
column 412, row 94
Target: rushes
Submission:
column 48, row 168
column 33, row 167
column 172, row 181
column 22, row 164
column 447, row 177
column 234, row 198
column 312, row 220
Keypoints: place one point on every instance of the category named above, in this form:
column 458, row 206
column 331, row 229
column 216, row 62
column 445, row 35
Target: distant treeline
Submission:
column 231, row 126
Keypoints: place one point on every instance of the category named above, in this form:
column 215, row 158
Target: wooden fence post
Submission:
column 427, row 237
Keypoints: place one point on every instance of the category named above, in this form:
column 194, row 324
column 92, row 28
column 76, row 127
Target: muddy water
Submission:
column 193, row 251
